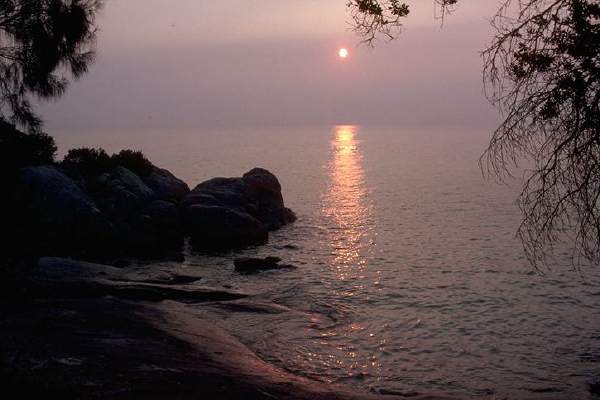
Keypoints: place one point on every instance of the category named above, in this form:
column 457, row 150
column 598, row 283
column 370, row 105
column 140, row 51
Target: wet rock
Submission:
column 288, row 247
column 390, row 392
column 62, row 278
column 165, row 185
column 253, row 307
column 90, row 349
column 173, row 279
column 249, row 265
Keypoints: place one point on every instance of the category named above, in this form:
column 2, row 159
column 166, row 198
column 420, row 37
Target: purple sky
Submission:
column 194, row 63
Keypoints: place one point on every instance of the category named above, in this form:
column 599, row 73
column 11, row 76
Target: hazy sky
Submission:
column 204, row 63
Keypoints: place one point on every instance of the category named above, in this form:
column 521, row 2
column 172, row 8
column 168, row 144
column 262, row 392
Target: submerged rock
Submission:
column 250, row 265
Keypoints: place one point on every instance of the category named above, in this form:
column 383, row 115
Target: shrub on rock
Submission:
column 134, row 161
column 18, row 149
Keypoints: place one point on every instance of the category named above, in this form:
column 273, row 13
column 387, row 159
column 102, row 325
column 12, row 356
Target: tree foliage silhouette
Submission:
column 42, row 42
column 542, row 70
column 374, row 18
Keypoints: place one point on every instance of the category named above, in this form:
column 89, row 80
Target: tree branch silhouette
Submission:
column 371, row 19
column 42, row 44
column 542, row 71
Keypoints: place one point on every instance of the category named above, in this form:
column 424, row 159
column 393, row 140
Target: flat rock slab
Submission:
column 63, row 278
column 109, row 348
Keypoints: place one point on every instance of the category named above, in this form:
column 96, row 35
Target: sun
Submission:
column 343, row 52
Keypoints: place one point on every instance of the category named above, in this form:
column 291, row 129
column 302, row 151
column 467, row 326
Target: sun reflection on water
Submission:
column 346, row 204
column 350, row 236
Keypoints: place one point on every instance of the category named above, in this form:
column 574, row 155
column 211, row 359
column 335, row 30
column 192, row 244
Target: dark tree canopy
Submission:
column 42, row 42
column 542, row 70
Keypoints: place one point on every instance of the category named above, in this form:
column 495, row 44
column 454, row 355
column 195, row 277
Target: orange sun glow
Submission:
column 343, row 52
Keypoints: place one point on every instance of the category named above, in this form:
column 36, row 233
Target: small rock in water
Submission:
column 595, row 386
column 391, row 392
column 288, row 247
column 249, row 265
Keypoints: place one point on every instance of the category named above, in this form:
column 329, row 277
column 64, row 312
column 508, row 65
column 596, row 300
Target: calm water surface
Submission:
column 410, row 278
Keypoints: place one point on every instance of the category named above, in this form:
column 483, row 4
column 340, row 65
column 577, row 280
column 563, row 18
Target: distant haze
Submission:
column 192, row 63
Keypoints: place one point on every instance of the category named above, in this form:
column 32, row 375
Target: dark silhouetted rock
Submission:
column 215, row 228
column 120, row 214
column 594, row 386
column 265, row 188
column 155, row 229
column 56, row 215
column 120, row 193
column 250, row 265
column 146, row 225
column 251, row 202
column 165, row 185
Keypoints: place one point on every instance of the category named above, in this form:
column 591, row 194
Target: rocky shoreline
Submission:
column 84, row 330
column 119, row 213
column 76, row 329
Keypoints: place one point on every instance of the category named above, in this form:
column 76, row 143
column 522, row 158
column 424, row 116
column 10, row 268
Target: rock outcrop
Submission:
column 235, row 212
column 120, row 213
column 55, row 215
column 58, row 277
column 220, row 228
column 96, row 334
column 121, row 192
column 165, row 185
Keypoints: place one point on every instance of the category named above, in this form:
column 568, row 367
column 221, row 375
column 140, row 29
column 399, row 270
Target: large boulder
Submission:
column 266, row 189
column 253, row 201
column 165, row 185
column 56, row 216
column 147, row 224
column 121, row 193
column 217, row 228
column 155, row 229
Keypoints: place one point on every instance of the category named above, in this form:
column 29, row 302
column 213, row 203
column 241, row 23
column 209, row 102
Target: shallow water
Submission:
column 410, row 278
